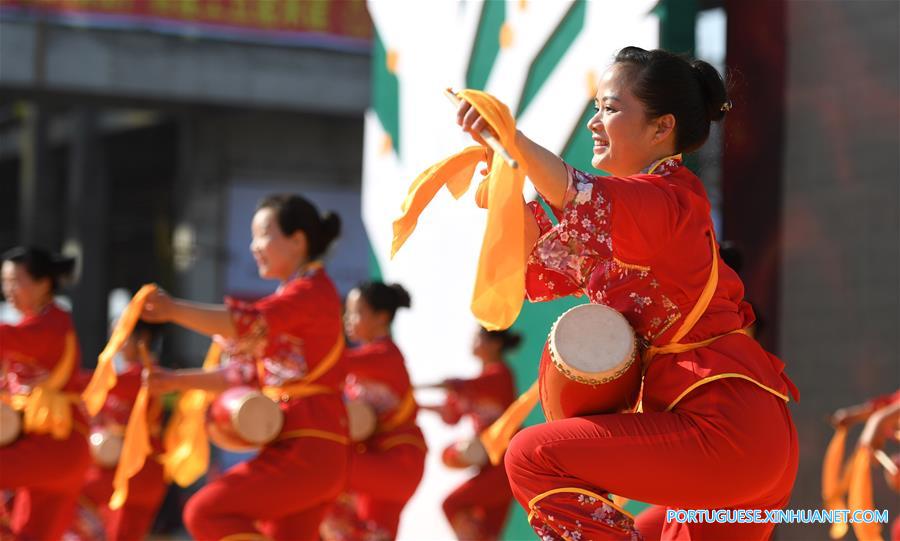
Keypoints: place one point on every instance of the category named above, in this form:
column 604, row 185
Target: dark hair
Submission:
column 731, row 255
column 41, row 264
column 152, row 331
column 692, row 91
column 508, row 339
column 384, row 297
column 295, row 213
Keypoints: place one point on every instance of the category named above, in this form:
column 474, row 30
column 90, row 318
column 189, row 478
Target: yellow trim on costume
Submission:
column 672, row 347
column 631, row 266
column 313, row 433
column 705, row 296
column 402, row 414
column 660, row 162
column 331, row 359
column 717, row 377
column 246, row 536
column 574, row 490
column 403, row 439
column 304, row 386
column 295, row 390
column 47, row 409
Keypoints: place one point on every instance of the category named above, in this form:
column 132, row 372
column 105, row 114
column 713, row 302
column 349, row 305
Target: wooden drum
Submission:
column 106, row 446
column 362, row 420
column 10, row 424
column 589, row 365
column 243, row 419
column 464, row 454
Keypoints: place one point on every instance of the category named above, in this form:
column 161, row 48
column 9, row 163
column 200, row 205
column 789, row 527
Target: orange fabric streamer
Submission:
column 834, row 480
column 46, row 409
column 859, row 496
column 500, row 280
column 135, row 449
column 136, row 444
column 495, row 438
column 185, row 440
column 455, row 172
column 104, row 377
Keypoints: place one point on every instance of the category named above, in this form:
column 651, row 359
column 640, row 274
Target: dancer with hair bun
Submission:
column 44, row 453
column 478, row 508
column 388, row 459
column 290, row 344
column 713, row 430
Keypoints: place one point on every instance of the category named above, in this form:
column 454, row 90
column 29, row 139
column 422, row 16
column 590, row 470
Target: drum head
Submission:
column 592, row 339
column 10, row 424
column 362, row 419
column 258, row 419
column 473, row 453
column 105, row 447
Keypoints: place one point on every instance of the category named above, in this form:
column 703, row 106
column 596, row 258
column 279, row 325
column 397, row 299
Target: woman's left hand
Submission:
column 159, row 307
column 161, row 381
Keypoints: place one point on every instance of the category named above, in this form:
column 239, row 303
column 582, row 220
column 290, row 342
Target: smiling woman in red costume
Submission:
column 290, row 344
column 386, row 467
column 477, row 509
column 148, row 488
column 715, row 431
column 39, row 356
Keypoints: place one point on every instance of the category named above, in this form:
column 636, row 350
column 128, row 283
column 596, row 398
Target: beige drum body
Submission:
column 242, row 419
column 590, row 364
column 464, row 454
column 106, row 446
column 10, row 424
column 362, row 419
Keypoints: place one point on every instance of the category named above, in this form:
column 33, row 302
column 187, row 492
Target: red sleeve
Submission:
column 282, row 312
column 885, row 400
column 19, row 340
column 487, row 384
column 634, row 214
column 452, row 411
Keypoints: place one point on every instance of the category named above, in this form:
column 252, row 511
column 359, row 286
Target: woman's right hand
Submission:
column 471, row 121
column 158, row 307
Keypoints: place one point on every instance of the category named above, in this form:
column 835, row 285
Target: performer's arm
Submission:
column 852, row 415
column 546, row 170
column 161, row 381
column 880, row 426
column 208, row 319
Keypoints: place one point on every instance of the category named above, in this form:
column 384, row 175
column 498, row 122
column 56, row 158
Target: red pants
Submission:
column 381, row 483
column 146, row 491
column 650, row 522
column 727, row 445
column 46, row 475
column 283, row 493
column 477, row 509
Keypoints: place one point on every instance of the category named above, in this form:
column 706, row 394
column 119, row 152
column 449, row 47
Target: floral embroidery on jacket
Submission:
column 577, row 257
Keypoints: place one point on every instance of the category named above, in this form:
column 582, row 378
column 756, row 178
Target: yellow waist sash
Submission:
column 47, row 409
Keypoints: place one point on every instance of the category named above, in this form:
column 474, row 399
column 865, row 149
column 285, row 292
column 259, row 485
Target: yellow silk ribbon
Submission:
column 859, row 494
column 104, row 377
column 136, row 443
column 401, row 415
column 46, row 409
column 495, row 438
column 500, row 279
column 835, row 480
column 185, row 441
